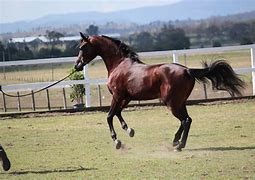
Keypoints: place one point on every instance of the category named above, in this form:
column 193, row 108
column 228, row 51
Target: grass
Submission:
column 221, row 145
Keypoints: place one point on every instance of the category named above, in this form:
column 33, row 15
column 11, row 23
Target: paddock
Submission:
column 69, row 146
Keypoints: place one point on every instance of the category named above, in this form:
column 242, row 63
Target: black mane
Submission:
column 126, row 50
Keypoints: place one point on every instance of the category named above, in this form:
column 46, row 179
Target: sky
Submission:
column 18, row 10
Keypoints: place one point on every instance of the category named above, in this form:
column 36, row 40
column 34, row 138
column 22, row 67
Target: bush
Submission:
column 245, row 41
column 216, row 43
column 78, row 90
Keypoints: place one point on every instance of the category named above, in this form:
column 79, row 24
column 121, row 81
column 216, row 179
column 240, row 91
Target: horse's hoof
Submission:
column 131, row 132
column 176, row 143
column 117, row 144
column 177, row 149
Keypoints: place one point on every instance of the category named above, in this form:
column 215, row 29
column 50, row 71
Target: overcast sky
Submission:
column 16, row 10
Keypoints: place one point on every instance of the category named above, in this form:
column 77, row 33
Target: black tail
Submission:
column 222, row 76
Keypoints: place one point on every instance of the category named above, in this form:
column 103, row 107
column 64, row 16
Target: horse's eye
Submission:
column 82, row 47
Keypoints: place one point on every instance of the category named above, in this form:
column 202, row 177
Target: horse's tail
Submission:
column 222, row 76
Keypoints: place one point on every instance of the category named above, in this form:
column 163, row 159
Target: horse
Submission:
column 130, row 79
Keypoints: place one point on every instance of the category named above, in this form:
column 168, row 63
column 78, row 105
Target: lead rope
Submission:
column 10, row 95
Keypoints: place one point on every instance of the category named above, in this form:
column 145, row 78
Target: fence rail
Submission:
column 88, row 82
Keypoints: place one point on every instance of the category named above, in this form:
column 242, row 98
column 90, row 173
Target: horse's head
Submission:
column 86, row 54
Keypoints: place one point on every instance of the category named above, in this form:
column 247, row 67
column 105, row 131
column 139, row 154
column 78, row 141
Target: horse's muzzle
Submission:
column 79, row 66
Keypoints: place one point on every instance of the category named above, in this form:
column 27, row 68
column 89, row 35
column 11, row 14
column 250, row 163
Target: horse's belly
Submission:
column 143, row 92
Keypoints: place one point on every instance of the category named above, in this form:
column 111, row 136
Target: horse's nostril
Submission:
column 79, row 66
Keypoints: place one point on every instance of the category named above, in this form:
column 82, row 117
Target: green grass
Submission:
column 220, row 146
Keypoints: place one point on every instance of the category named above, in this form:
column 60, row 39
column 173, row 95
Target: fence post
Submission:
column 4, row 66
column 4, row 105
column 64, row 98
column 87, row 86
column 205, row 91
column 175, row 57
column 253, row 72
column 185, row 59
column 48, row 99
column 33, row 100
column 19, row 106
column 99, row 95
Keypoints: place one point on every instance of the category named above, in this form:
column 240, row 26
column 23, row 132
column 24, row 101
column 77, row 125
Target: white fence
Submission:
column 88, row 82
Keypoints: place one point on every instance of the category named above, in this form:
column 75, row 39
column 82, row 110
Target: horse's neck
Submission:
column 111, row 56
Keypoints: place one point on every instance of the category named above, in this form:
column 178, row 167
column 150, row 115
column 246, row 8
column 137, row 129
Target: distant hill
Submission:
column 185, row 9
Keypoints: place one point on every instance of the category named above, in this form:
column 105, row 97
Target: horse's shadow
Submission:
column 51, row 171
column 229, row 148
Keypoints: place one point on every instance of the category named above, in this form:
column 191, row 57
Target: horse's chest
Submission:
column 116, row 82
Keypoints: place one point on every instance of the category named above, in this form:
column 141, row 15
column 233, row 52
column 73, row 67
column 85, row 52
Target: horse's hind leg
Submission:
column 178, row 135
column 183, row 116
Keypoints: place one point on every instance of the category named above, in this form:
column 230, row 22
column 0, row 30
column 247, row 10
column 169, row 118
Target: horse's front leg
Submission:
column 123, row 124
column 111, row 114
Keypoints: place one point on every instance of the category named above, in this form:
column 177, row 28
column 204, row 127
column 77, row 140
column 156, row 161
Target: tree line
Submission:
column 168, row 37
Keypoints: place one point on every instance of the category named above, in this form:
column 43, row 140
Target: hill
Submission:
column 185, row 9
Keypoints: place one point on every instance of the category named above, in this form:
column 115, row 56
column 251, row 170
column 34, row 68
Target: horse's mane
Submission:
column 126, row 50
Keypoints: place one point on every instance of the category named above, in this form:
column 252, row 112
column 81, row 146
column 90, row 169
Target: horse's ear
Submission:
column 84, row 37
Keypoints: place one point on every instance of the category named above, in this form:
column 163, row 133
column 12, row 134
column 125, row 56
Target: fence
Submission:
column 88, row 82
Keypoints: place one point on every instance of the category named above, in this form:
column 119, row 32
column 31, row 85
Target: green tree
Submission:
column 92, row 30
column 212, row 31
column 246, row 40
column 239, row 31
column 170, row 38
column 2, row 51
column 53, row 36
column 216, row 43
column 12, row 50
column 143, row 42
column 71, row 49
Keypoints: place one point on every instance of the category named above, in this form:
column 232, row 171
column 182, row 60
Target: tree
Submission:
column 238, row 31
column 246, row 40
column 92, row 30
column 2, row 51
column 1, row 46
column 216, row 43
column 71, row 49
column 143, row 42
column 171, row 38
column 53, row 36
column 212, row 31
column 11, row 51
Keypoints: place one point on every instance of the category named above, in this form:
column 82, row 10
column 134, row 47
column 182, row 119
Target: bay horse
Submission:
column 131, row 79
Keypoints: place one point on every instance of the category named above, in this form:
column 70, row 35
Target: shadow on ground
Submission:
column 230, row 148
column 51, row 171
